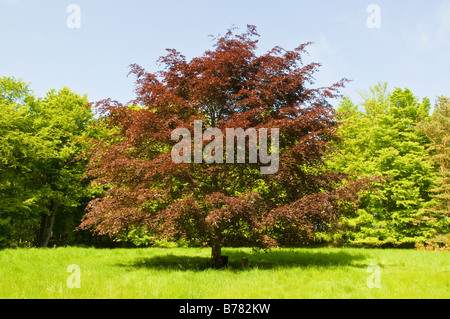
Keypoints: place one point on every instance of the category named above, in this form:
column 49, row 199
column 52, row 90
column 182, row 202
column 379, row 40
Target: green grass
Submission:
column 185, row 273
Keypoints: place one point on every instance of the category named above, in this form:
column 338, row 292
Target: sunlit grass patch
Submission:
column 186, row 273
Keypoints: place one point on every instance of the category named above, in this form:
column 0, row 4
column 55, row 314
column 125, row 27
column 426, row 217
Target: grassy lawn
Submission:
column 184, row 273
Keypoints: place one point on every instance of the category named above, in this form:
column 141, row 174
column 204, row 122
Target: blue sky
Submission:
column 410, row 49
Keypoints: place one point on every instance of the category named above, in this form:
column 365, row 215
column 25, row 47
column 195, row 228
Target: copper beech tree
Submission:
column 221, row 203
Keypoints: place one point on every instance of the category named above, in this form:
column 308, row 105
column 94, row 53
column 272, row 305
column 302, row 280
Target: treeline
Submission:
column 394, row 135
column 400, row 137
column 42, row 190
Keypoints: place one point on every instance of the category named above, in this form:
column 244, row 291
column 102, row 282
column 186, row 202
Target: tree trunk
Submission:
column 46, row 228
column 45, row 221
column 216, row 255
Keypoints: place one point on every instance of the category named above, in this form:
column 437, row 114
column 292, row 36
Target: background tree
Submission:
column 437, row 129
column 40, row 177
column 220, row 204
column 17, row 143
column 379, row 137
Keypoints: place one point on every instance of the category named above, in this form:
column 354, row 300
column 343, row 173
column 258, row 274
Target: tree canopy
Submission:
column 40, row 177
column 217, row 204
column 437, row 129
column 379, row 137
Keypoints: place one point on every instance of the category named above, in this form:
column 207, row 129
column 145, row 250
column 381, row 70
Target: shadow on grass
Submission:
column 259, row 260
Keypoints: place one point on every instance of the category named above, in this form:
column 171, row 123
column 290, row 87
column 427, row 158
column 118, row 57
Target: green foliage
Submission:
column 437, row 129
column 140, row 237
column 40, row 177
column 379, row 138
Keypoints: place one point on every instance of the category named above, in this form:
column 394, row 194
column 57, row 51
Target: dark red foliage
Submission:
column 217, row 204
